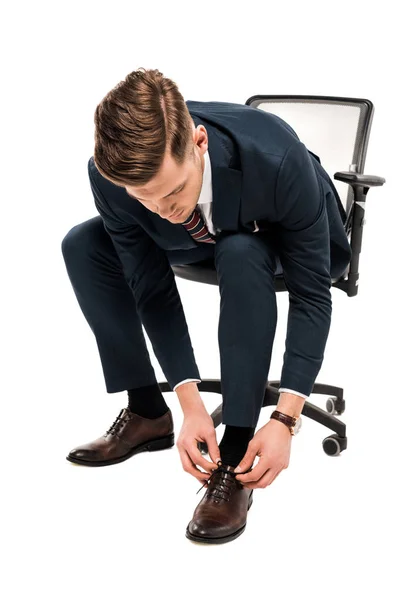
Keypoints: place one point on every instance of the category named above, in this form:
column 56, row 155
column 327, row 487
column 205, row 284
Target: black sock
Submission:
column 147, row 401
column 233, row 445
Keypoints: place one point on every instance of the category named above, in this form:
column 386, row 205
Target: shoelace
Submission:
column 115, row 427
column 221, row 486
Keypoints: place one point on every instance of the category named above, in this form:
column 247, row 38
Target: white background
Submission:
column 326, row 527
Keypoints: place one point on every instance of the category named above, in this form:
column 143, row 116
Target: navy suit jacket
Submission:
column 263, row 177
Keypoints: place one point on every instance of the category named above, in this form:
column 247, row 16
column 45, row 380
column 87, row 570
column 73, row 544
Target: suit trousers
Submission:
column 245, row 263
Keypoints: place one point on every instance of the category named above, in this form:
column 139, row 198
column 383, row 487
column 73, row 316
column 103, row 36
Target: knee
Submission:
column 81, row 238
column 235, row 244
column 244, row 250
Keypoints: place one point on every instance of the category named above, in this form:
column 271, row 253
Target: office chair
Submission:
column 337, row 130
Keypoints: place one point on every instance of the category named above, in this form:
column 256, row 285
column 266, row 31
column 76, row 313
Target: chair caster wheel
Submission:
column 334, row 406
column 334, row 444
column 202, row 446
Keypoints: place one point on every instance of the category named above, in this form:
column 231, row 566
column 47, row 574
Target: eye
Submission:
column 174, row 194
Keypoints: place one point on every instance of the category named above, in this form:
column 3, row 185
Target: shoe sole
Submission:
column 219, row 540
column 161, row 443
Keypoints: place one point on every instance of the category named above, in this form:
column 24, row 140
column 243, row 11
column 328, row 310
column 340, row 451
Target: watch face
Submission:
column 296, row 428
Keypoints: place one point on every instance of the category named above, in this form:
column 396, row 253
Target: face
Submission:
column 173, row 193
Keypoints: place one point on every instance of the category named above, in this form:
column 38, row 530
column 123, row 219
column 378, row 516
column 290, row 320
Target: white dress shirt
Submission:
column 204, row 205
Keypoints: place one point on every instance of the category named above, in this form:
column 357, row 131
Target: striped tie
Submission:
column 197, row 228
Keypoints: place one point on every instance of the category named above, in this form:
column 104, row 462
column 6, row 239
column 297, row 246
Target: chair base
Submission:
column 335, row 405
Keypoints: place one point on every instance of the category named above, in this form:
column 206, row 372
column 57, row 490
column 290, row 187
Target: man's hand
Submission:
column 272, row 443
column 198, row 426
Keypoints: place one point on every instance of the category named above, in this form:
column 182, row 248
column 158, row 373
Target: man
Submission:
column 179, row 182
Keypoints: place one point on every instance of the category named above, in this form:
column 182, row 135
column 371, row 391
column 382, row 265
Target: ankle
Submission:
column 234, row 443
column 147, row 401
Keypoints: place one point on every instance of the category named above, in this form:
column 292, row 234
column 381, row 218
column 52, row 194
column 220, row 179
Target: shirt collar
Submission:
column 206, row 187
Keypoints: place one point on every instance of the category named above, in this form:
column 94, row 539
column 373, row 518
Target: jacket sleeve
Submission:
column 304, row 247
column 149, row 275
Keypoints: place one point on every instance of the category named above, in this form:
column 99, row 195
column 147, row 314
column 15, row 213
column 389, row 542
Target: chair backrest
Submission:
column 335, row 129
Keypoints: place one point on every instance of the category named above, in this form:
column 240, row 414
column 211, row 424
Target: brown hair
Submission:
column 136, row 123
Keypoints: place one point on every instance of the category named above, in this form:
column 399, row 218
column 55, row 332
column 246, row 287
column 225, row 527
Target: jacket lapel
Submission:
column 226, row 185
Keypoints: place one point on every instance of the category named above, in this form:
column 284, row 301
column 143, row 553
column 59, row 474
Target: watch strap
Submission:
column 286, row 419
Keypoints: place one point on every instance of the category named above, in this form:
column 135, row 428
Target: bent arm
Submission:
column 304, row 247
column 149, row 275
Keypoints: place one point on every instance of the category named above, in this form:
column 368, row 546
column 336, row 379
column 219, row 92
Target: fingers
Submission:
column 213, row 448
column 255, row 474
column 247, row 462
column 198, row 459
column 264, row 481
column 191, row 456
column 190, row 467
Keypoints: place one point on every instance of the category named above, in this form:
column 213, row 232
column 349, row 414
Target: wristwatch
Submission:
column 294, row 423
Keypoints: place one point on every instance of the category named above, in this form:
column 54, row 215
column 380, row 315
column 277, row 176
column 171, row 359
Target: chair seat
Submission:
column 205, row 272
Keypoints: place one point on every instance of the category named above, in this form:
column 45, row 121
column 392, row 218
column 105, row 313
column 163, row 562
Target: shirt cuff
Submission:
column 292, row 392
column 185, row 381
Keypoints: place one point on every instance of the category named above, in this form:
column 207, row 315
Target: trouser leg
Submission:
column 245, row 265
column 108, row 303
column 108, row 306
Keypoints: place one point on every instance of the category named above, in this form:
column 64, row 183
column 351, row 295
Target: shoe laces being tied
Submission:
column 116, row 426
column 221, row 482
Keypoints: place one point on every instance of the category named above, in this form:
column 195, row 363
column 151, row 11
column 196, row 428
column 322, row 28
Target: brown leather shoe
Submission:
column 129, row 434
column 221, row 515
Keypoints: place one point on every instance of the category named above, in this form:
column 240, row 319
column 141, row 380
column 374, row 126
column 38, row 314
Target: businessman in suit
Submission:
column 179, row 182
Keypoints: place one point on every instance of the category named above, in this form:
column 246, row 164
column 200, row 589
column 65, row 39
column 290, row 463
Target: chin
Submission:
column 183, row 217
